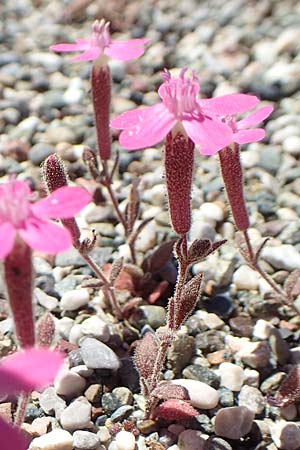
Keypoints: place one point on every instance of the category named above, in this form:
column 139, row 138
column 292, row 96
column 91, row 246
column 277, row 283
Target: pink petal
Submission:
column 45, row 236
column 227, row 105
column 89, row 55
column 148, row 126
column 255, row 118
column 11, row 437
column 211, row 135
column 63, row 203
column 79, row 46
column 129, row 119
column 27, row 370
column 247, row 136
column 7, row 238
column 126, row 50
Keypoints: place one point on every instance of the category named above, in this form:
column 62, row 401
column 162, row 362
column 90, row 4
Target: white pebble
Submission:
column 246, row 278
column 77, row 415
column 55, row 440
column 201, row 395
column 74, row 299
column 95, row 327
column 284, row 257
column 262, row 329
column 125, row 440
column 232, row 376
column 291, row 145
column 211, row 212
column 69, row 383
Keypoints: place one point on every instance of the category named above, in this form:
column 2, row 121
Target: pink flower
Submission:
column 20, row 217
column 180, row 104
column 101, row 43
column 241, row 133
column 23, row 372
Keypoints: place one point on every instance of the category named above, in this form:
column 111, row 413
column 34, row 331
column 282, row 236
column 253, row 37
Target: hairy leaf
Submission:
column 145, row 355
column 175, row 410
column 166, row 391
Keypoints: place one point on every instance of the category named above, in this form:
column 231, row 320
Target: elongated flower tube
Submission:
column 231, row 168
column 179, row 162
column 55, row 177
column 232, row 174
column 101, row 95
column 180, row 104
column 18, row 275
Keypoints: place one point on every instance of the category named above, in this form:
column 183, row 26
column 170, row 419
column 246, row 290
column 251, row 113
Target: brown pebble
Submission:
column 5, row 412
column 93, row 393
column 216, row 358
column 147, row 426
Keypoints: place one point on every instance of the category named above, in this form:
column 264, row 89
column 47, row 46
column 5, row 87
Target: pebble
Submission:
column 201, row 373
column 77, row 415
column 74, row 299
column 54, row 440
column 85, row 440
column 191, row 440
column 97, row 355
column 286, row 435
column 39, row 152
column 232, row 376
column 45, row 300
column 125, row 440
column 93, row 393
column 255, row 354
column 95, row 327
column 252, row 398
column 69, row 384
column 216, row 443
column 201, row 395
column 284, row 257
column 246, row 278
column 234, row 422
column 51, row 403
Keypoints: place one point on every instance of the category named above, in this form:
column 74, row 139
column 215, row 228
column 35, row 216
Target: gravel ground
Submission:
column 239, row 343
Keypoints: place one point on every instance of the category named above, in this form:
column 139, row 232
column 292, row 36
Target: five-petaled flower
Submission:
column 242, row 131
column 100, row 43
column 18, row 216
column 200, row 118
column 23, row 372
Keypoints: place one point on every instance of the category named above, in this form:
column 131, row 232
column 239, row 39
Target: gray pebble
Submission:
column 97, row 355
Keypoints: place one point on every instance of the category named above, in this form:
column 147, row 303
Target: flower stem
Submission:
column 109, row 290
column 21, row 409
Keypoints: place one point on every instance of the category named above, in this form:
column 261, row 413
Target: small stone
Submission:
column 232, row 376
column 50, row 402
column 252, row 398
column 125, row 440
column 201, row 395
column 93, row 393
column 68, row 383
column 95, row 327
column 291, row 144
column 45, row 300
column 216, row 443
column 85, row 440
column 123, row 394
column 246, row 278
column 201, row 373
column 284, row 257
column 234, row 422
column 72, row 300
column 97, row 355
column 147, row 426
column 77, row 415
column 55, row 440
column 191, row 440
column 286, row 435
column 39, row 152
column 255, row 354
column 121, row 413
column 262, row 329
column 40, row 425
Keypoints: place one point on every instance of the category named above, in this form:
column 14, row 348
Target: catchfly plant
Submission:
column 100, row 43
column 180, row 104
column 22, row 373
